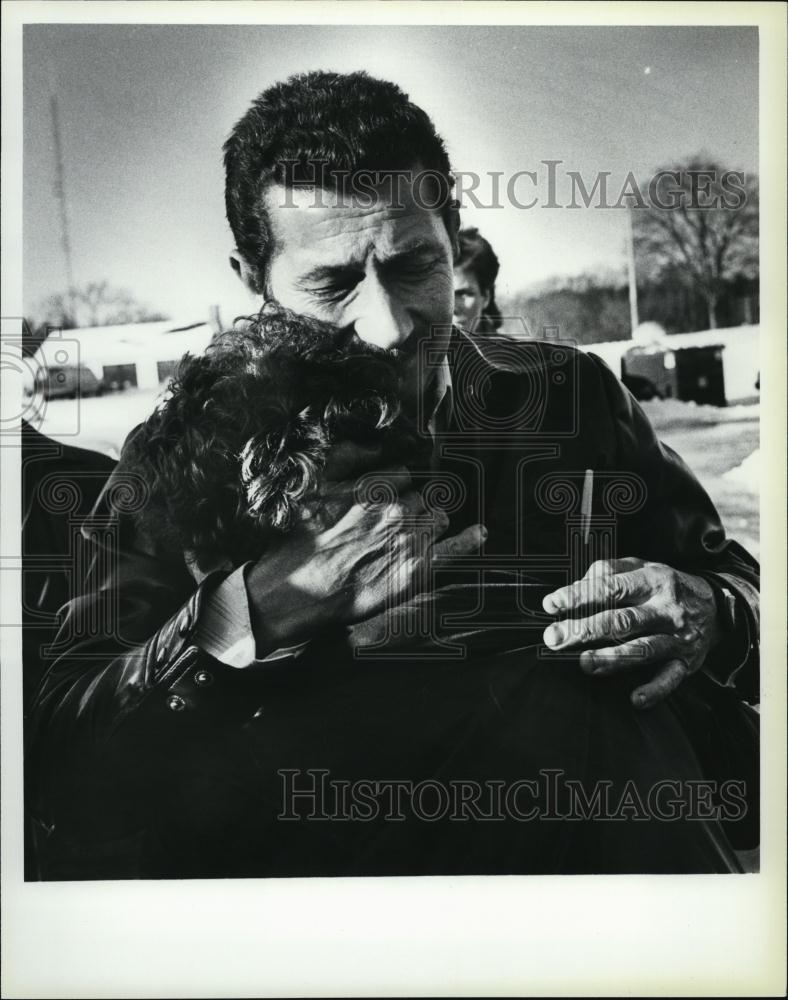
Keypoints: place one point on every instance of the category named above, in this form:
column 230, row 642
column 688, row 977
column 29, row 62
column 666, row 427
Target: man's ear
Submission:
column 247, row 274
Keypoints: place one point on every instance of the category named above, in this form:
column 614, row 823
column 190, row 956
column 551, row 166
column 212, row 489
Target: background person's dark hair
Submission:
column 480, row 259
column 315, row 125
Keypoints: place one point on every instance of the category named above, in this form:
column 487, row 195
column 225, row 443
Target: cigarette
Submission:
column 586, row 504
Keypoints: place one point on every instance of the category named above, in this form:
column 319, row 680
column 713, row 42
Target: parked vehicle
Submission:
column 649, row 372
column 67, row 382
column 688, row 373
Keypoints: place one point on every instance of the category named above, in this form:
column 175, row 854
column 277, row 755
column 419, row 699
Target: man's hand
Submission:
column 636, row 613
column 348, row 562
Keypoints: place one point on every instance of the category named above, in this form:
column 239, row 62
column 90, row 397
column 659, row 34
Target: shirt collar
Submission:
column 444, row 403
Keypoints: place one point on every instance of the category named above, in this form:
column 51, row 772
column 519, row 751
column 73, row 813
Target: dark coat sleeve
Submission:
column 682, row 528
column 129, row 683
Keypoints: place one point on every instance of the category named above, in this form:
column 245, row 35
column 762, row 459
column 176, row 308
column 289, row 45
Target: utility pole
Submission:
column 633, row 288
column 60, row 193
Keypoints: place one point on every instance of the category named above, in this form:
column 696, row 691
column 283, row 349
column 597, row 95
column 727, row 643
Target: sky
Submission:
column 144, row 111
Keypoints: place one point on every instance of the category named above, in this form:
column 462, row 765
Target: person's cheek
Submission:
column 437, row 297
column 324, row 312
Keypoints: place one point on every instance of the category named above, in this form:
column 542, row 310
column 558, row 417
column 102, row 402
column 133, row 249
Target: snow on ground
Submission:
column 99, row 423
column 665, row 412
column 746, row 475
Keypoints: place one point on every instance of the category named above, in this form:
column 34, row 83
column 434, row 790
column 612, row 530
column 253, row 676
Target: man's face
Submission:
column 469, row 299
column 381, row 273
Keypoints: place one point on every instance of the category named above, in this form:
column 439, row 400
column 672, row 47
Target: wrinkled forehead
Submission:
column 352, row 222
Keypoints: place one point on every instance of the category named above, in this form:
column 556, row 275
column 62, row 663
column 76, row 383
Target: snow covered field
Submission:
column 722, row 447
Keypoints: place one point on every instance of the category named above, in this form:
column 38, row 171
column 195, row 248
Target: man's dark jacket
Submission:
column 136, row 727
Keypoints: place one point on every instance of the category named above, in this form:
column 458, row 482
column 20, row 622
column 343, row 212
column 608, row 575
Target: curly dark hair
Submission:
column 478, row 256
column 236, row 453
column 323, row 129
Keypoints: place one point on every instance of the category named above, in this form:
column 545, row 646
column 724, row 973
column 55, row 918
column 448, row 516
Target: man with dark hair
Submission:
column 369, row 130
column 475, row 273
column 338, row 197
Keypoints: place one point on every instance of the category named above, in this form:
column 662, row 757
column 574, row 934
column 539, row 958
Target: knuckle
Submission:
column 637, row 652
column 576, row 594
column 448, row 546
column 584, row 631
column 620, row 622
column 669, row 584
column 418, row 543
column 678, row 616
column 440, row 521
column 396, row 511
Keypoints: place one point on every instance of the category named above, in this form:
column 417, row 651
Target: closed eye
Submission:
column 332, row 293
column 413, row 267
column 336, row 286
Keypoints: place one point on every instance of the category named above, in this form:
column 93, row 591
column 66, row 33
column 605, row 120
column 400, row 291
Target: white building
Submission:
column 135, row 354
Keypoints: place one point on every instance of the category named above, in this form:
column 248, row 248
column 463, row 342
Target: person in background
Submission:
column 475, row 271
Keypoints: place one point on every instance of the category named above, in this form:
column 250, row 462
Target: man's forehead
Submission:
column 310, row 222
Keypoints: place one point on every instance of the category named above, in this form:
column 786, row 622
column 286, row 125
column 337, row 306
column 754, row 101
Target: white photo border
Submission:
column 491, row 936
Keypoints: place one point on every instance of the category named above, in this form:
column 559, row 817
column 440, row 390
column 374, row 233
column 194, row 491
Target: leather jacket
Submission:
column 131, row 688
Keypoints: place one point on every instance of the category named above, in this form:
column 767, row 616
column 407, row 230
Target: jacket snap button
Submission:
column 203, row 678
column 175, row 703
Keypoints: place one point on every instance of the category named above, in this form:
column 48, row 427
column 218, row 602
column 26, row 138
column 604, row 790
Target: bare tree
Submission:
column 95, row 304
column 703, row 222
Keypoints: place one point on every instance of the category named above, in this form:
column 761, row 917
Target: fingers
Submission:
column 664, row 683
column 404, row 528
column 383, row 486
column 631, row 613
column 605, row 628
column 410, row 519
column 418, row 555
column 612, row 659
column 607, row 566
column 348, row 498
column 614, row 582
column 467, row 541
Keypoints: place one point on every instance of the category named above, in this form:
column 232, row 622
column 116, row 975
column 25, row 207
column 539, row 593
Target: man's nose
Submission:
column 383, row 317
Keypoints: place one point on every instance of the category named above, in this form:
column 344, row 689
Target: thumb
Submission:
column 469, row 540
